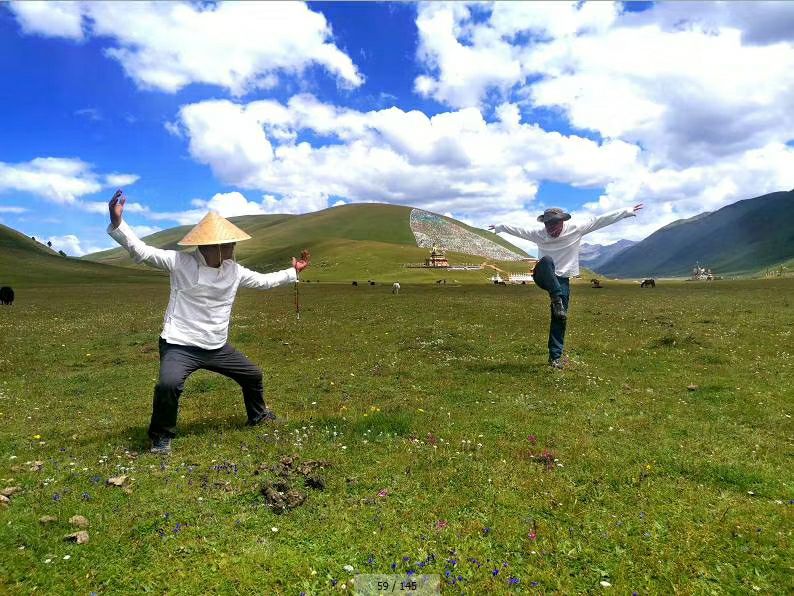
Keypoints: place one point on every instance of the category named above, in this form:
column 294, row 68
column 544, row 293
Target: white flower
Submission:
column 274, row 529
column 348, row 568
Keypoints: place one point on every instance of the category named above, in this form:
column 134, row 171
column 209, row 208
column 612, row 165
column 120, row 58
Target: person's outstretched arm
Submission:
column 139, row 250
column 265, row 281
column 531, row 234
column 608, row 219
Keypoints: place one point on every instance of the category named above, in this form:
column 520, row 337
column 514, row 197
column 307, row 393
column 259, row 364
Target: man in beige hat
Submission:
column 204, row 283
column 558, row 250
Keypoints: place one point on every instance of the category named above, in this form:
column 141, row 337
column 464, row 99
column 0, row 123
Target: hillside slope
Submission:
column 350, row 242
column 741, row 238
column 25, row 262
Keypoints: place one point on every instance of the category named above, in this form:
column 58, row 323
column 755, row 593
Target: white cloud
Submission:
column 453, row 161
column 92, row 114
column 142, row 231
column 73, row 246
column 704, row 89
column 59, row 179
column 12, row 209
column 167, row 45
column 229, row 204
column 690, row 82
column 50, row 19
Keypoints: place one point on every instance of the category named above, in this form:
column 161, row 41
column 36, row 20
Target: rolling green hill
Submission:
column 25, row 262
column 743, row 238
column 350, row 242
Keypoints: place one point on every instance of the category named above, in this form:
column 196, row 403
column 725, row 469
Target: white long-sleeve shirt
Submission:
column 564, row 249
column 201, row 298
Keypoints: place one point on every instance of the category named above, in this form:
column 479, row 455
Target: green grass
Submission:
column 431, row 395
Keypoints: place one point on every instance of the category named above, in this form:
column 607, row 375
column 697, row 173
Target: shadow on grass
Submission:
column 136, row 438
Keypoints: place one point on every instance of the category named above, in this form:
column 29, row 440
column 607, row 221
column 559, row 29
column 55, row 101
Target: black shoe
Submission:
column 558, row 309
column 268, row 415
column 161, row 446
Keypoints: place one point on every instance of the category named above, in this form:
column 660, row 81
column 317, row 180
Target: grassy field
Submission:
column 452, row 447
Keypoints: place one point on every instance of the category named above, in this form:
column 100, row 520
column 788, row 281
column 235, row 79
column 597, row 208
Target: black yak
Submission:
column 355, row 283
column 648, row 283
column 6, row 295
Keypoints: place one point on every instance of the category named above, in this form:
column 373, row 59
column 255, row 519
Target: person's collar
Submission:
column 200, row 257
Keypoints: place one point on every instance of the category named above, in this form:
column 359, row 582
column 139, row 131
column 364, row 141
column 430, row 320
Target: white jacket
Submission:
column 201, row 298
column 564, row 249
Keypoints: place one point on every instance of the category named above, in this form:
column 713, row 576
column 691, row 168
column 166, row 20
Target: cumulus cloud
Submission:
column 227, row 204
column 452, row 161
column 690, row 82
column 58, row 179
column 702, row 90
column 167, row 45
column 74, row 246
column 50, row 19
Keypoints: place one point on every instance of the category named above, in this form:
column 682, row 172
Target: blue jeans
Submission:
column 546, row 279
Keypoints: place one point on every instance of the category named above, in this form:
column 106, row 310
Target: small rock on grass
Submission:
column 10, row 491
column 80, row 537
column 79, row 521
column 4, row 501
column 117, row 481
column 47, row 519
column 692, row 387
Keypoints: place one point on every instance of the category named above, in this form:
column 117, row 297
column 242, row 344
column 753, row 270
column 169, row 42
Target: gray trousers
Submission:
column 176, row 365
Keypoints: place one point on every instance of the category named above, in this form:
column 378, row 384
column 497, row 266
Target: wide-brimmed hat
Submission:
column 213, row 229
column 554, row 214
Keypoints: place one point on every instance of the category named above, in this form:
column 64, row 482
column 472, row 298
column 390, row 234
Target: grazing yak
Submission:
column 596, row 283
column 6, row 295
column 355, row 283
column 395, row 287
column 648, row 283
column 372, row 283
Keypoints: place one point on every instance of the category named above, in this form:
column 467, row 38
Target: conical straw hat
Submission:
column 213, row 229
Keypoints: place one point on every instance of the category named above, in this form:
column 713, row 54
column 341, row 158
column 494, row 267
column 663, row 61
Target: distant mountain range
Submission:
column 741, row 238
column 593, row 256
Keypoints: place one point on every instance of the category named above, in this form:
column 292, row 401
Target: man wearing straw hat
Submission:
column 558, row 251
column 204, row 283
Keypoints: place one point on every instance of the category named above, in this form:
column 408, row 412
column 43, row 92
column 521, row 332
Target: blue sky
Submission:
column 486, row 112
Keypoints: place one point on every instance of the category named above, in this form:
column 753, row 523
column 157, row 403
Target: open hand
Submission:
column 116, row 207
column 638, row 207
column 304, row 261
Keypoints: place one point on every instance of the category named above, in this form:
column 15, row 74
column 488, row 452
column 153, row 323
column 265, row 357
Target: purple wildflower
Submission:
column 513, row 581
column 486, row 531
column 534, row 584
column 86, row 497
column 495, row 572
column 56, row 497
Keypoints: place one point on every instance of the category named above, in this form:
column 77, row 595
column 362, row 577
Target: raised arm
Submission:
column 531, row 234
column 265, row 281
column 608, row 219
column 139, row 251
